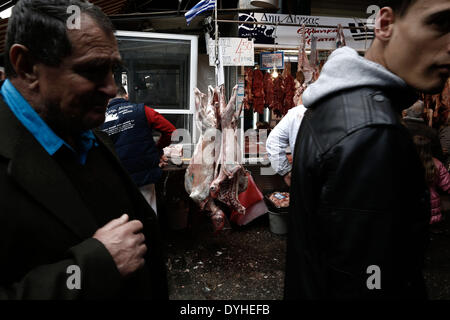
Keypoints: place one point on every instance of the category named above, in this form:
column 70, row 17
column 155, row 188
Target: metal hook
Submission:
column 275, row 37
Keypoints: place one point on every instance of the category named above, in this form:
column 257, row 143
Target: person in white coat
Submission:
column 283, row 135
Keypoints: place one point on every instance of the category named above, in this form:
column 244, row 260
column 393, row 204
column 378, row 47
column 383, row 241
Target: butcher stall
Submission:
column 225, row 170
column 290, row 51
column 224, row 104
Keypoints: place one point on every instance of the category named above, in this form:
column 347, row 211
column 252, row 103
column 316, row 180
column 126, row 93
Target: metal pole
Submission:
column 217, row 46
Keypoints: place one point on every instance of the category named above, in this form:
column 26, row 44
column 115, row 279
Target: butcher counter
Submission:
column 176, row 210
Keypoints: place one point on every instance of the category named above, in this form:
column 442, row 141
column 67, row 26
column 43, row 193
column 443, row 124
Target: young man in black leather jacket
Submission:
column 359, row 204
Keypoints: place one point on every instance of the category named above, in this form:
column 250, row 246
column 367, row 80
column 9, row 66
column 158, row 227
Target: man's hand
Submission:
column 125, row 242
column 289, row 157
column 163, row 161
column 287, row 179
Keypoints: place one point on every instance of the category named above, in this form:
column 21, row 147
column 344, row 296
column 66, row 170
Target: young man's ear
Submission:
column 22, row 62
column 384, row 24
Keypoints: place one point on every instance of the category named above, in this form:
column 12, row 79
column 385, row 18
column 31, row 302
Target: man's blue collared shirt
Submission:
column 39, row 129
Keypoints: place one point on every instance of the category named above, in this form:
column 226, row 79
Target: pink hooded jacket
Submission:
column 441, row 182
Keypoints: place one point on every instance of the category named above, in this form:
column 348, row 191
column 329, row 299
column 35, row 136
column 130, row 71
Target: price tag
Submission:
column 235, row 52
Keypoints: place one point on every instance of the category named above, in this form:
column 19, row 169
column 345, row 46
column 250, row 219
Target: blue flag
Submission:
column 200, row 7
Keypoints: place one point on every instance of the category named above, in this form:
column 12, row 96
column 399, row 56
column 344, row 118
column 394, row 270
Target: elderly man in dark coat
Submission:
column 73, row 224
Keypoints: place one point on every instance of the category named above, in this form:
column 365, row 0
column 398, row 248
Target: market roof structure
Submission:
column 110, row 7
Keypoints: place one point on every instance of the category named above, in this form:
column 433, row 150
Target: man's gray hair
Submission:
column 41, row 26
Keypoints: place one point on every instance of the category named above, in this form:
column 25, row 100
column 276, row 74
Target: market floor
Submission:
column 247, row 263
column 242, row 263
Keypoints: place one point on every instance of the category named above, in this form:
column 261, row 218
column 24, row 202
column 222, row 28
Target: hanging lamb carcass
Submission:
column 314, row 59
column 340, row 37
column 305, row 72
column 215, row 171
column 303, row 63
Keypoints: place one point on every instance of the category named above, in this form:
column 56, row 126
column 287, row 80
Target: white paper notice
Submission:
column 235, row 52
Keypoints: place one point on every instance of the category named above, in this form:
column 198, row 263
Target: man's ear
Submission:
column 384, row 24
column 22, row 62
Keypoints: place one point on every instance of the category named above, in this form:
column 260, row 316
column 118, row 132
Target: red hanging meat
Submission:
column 289, row 89
column 268, row 90
column 289, row 93
column 258, row 91
column 248, row 96
column 278, row 96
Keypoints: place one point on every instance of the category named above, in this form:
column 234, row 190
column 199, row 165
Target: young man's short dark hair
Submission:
column 400, row 7
column 51, row 44
column 121, row 92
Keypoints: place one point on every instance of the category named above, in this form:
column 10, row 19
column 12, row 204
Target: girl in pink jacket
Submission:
column 436, row 176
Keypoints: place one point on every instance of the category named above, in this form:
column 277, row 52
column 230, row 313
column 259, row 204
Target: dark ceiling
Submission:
column 167, row 8
column 168, row 15
column 171, row 5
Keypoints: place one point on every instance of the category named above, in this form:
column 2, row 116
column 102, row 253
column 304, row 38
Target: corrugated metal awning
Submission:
column 109, row 7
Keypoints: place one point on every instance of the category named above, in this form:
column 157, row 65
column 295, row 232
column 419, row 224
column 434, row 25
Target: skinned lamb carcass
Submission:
column 230, row 173
column 303, row 63
column 200, row 172
column 305, row 71
column 229, row 162
column 216, row 163
column 229, row 170
column 340, row 38
column 314, row 58
column 299, row 88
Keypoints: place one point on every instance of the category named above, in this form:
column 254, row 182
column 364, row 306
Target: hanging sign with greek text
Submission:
column 359, row 37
